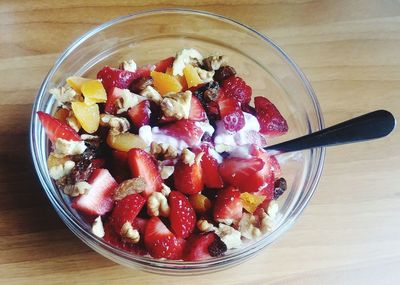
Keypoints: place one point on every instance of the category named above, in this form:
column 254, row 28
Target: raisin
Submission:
column 249, row 109
column 223, row 73
column 280, row 187
column 217, row 247
column 140, row 84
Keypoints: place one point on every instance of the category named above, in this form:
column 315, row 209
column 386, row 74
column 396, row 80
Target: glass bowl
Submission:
column 152, row 35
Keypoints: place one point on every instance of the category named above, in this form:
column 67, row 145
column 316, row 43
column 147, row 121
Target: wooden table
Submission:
column 349, row 234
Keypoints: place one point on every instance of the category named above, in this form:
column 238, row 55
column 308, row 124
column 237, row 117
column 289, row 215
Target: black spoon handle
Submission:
column 370, row 126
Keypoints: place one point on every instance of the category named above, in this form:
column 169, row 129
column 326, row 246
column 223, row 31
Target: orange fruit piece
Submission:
column 87, row 115
column 76, row 82
column 125, row 141
column 250, row 202
column 165, row 83
column 191, row 76
column 94, row 92
column 181, row 79
column 201, row 204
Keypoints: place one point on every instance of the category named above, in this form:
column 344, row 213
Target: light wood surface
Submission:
column 349, row 233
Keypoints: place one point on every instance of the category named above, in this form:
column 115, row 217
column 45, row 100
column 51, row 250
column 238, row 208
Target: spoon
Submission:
column 369, row 126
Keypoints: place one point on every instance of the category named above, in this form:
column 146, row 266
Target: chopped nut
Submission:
column 152, row 94
column 128, row 187
column 86, row 137
column 176, row 105
column 157, row 204
column 128, row 232
column 166, row 171
column 223, row 148
column 184, row 57
column 64, row 95
column 73, row 121
column 97, row 227
column 163, row 150
column 225, row 221
column 65, row 147
column 80, row 188
column 117, row 124
column 229, row 236
column 165, row 190
column 129, row 65
column 58, row 171
column 206, row 76
column 140, row 84
column 248, row 226
column 127, row 100
column 267, row 223
column 214, row 62
column 223, row 73
column 188, row 157
column 205, row 226
column 273, row 209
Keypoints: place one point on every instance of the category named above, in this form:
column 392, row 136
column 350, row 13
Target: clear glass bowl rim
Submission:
column 166, row 265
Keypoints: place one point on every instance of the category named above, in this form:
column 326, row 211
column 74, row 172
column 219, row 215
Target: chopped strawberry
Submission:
column 197, row 247
column 140, row 114
column 231, row 114
column 98, row 163
column 119, row 166
column 143, row 165
column 161, row 242
column 197, row 112
column 188, row 179
column 185, row 130
column 126, row 210
column 182, row 215
column 235, row 87
column 237, row 171
column 228, row 204
column 98, row 200
column 114, row 77
column 55, row 129
column 271, row 121
column 209, row 165
column 112, row 96
column 164, row 64
column 165, row 120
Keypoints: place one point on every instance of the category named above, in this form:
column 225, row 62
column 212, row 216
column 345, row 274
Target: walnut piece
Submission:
column 184, row 57
column 188, row 157
column 273, row 209
column 65, row 147
column 157, row 205
column 214, row 62
column 248, row 226
column 176, row 105
column 97, row 227
column 205, row 226
column 129, row 65
column 128, row 187
column 152, row 94
column 128, row 232
column 229, row 236
column 58, row 171
column 64, row 95
column 267, row 223
column 166, row 171
column 80, row 188
column 127, row 100
column 73, row 122
column 117, row 124
column 163, row 150
column 140, row 84
column 165, row 190
column 205, row 76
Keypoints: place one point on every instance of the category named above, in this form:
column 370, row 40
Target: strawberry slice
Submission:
column 164, row 64
column 231, row 114
column 237, row 171
column 55, row 129
column 143, row 165
column 197, row 112
column 197, row 247
column 140, row 114
column 119, row 166
column 161, row 242
column 112, row 96
column 98, row 163
column 228, row 205
column 271, row 121
column 185, row 130
column 182, row 215
column 114, row 77
column 188, row 179
column 126, row 210
column 98, row 200
column 209, row 166
column 235, row 87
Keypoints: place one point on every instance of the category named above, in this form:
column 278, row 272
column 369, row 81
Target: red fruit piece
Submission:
column 164, row 64
column 112, row 96
column 126, row 210
column 182, row 215
column 197, row 247
column 235, row 87
column 98, row 200
column 98, row 163
column 228, row 205
column 140, row 114
column 188, row 179
column 186, row 130
column 55, row 129
column 114, row 77
column 161, row 242
column 143, row 165
column 209, row 165
column 237, row 171
column 119, row 166
column 231, row 114
column 271, row 121
column 197, row 112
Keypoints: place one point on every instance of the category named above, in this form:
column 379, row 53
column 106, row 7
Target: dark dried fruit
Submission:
column 217, row 248
column 205, row 92
column 213, row 62
column 223, row 73
column 280, row 186
column 140, row 84
column 249, row 109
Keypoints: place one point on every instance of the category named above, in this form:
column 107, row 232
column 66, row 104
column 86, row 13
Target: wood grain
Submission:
column 349, row 234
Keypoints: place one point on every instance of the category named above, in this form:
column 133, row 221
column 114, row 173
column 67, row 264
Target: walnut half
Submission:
column 128, row 187
column 176, row 105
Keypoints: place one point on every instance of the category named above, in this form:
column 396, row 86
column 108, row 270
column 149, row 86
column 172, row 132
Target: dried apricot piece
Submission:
column 94, row 92
column 87, row 115
column 250, row 202
column 76, row 82
column 191, row 76
column 165, row 83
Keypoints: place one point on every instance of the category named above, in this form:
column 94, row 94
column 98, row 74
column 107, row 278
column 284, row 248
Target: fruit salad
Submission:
column 167, row 159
